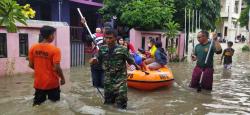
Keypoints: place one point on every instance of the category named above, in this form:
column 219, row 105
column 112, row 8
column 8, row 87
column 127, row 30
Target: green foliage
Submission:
column 147, row 14
column 244, row 17
column 247, row 1
column 113, row 8
column 172, row 29
column 153, row 14
column 209, row 10
column 172, row 50
column 245, row 48
column 10, row 12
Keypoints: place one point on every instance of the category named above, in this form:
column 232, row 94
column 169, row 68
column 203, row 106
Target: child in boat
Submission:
column 160, row 57
column 151, row 57
column 227, row 55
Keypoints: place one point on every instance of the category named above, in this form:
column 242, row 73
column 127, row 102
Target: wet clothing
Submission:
column 227, row 53
column 207, row 80
column 227, row 66
column 41, row 95
column 201, row 53
column 115, row 72
column 97, row 77
column 44, row 56
column 97, row 72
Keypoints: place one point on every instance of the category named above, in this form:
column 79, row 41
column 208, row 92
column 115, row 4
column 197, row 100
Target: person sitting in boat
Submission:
column 151, row 54
column 121, row 41
column 160, row 57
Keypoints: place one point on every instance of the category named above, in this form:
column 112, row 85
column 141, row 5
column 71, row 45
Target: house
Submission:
column 141, row 38
column 229, row 27
column 70, row 35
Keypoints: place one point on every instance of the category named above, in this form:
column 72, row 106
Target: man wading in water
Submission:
column 114, row 57
column 45, row 59
column 200, row 53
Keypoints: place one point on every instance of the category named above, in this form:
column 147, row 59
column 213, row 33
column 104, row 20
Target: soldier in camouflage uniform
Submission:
column 113, row 58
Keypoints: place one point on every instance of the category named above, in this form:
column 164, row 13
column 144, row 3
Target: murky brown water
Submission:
column 230, row 95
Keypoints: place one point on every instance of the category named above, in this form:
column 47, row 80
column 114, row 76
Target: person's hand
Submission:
column 193, row 57
column 83, row 21
column 62, row 81
column 93, row 60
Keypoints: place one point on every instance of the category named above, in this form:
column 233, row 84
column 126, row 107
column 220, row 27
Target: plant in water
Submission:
column 172, row 32
column 245, row 48
column 11, row 12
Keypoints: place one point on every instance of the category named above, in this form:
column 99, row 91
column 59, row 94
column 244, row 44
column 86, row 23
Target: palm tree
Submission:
column 172, row 31
column 10, row 12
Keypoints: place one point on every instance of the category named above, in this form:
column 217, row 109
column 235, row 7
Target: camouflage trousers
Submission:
column 116, row 93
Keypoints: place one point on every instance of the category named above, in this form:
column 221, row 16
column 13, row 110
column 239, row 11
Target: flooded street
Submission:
column 230, row 95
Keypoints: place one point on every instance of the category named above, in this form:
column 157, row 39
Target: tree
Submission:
column 209, row 10
column 244, row 15
column 113, row 8
column 148, row 14
column 172, row 31
column 145, row 14
column 11, row 12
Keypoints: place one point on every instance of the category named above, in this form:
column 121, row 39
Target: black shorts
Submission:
column 41, row 95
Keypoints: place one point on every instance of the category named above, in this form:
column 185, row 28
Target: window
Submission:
column 143, row 43
column 225, row 31
column 3, row 45
column 23, row 45
column 236, row 7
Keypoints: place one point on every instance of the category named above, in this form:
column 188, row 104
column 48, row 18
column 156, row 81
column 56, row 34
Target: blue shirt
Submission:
column 160, row 56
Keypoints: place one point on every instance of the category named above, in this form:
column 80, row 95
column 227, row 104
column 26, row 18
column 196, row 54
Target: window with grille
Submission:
column 3, row 45
column 23, row 45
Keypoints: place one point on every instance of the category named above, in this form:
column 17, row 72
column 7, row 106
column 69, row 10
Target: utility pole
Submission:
column 189, row 25
column 248, row 25
column 59, row 10
column 199, row 19
column 185, row 32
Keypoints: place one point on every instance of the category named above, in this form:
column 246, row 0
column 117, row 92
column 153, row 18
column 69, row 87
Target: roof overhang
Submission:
column 88, row 2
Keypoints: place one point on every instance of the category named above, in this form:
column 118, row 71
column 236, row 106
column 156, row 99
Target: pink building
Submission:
column 14, row 46
column 140, row 39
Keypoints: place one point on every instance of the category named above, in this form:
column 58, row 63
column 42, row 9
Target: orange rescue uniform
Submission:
column 44, row 56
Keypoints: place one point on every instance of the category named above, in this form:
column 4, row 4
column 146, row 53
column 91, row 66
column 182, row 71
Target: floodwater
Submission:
column 230, row 95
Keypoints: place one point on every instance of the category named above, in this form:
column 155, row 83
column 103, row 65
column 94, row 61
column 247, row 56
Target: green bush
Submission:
column 245, row 48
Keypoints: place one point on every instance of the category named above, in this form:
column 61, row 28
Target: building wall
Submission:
column 136, row 38
column 14, row 64
column 229, row 19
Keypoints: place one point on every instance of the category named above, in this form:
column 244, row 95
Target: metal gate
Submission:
column 77, row 46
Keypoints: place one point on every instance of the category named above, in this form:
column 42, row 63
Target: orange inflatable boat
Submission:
column 149, row 80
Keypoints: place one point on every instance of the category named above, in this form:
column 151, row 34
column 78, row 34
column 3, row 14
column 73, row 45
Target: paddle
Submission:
column 86, row 25
column 202, row 74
